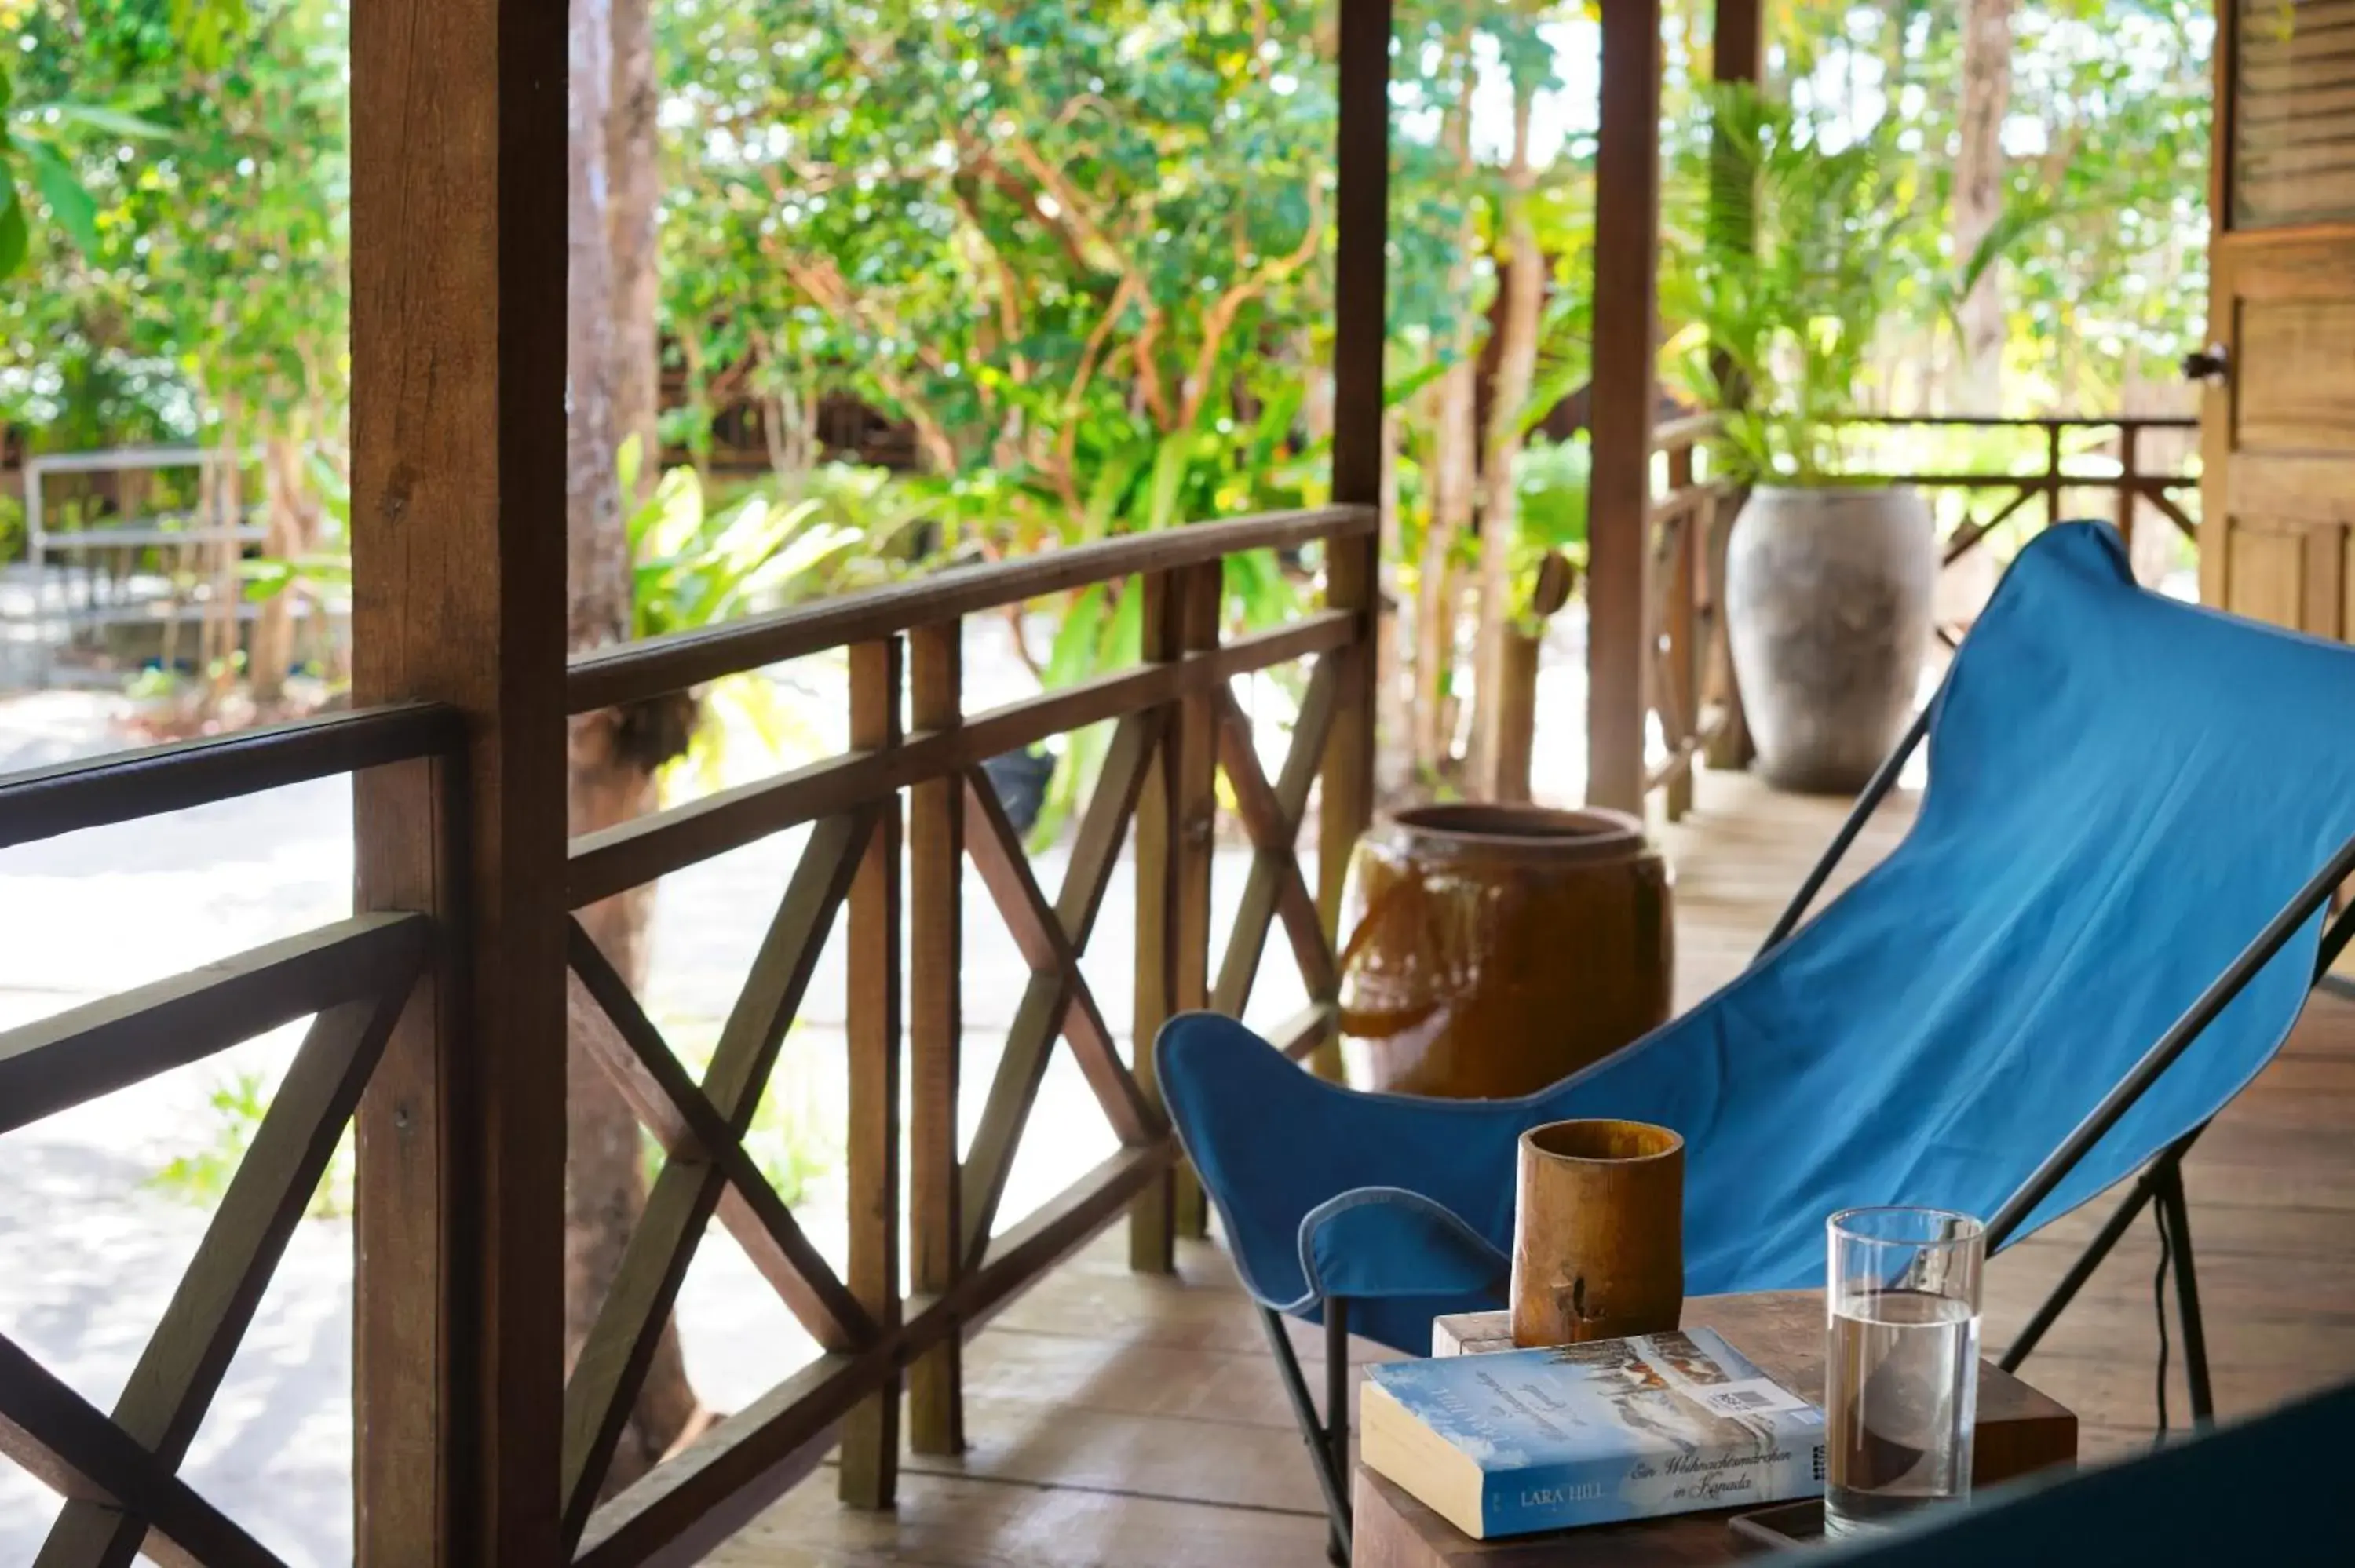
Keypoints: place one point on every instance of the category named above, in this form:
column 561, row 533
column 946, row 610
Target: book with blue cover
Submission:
column 1614, row 1429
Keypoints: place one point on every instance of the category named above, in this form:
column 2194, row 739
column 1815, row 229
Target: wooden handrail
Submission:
column 2039, row 476
column 55, row 1063
column 1684, row 432
column 2031, row 421
column 43, row 802
column 606, row 862
column 632, row 672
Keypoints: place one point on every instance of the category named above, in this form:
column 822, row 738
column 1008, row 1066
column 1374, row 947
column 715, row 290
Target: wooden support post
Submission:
column 1353, row 567
column 1152, row 1218
column 935, row 1035
column 870, row 1433
column 2051, row 472
column 1627, row 245
column 1737, row 41
column 2129, row 482
column 458, row 542
column 1737, row 53
column 1198, row 817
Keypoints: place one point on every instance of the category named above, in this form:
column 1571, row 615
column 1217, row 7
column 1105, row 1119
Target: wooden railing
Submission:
column 1690, row 690
column 2016, row 492
column 1177, row 723
column 913, row 782
column 1688, row 686
column 118, row 1469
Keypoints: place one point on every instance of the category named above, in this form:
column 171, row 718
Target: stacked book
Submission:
column 1614, row 1429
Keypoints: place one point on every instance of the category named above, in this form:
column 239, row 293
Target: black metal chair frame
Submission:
column 2160, row 1182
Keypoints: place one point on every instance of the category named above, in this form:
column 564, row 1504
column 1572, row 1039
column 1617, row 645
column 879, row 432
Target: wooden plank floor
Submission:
column 1117, row 1419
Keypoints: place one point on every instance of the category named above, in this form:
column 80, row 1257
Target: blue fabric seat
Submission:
column 2123, row 791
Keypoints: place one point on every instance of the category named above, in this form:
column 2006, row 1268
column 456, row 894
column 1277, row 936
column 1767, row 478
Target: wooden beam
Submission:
column 1627, row 243
column 1151, row 1234
column 173, row 1384
column 74, row 1057
column 870, row 1435
column 1271, row 814
column 1737, row 54
column 654, row 665
column 935, row 1033
column 1045, row 1006
column 1737, row 41
column 1200, row 592
column 674, row 1108
column 1353, row 566
column 458, row 167
column 613, row 1363
column 641, row 850
column 1047, row 945
column 147, row 782
column 66, row 1442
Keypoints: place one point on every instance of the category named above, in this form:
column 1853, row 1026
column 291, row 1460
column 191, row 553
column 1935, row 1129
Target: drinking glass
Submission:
column 1901, row 1363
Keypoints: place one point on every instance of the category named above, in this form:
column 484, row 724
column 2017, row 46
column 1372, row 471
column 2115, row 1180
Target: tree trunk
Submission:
column 221, row 624
column 605, row 1190
column 291, row 514
column 634, row 178
column 1453, row 466
column 1978, row 201
column 1505, row 712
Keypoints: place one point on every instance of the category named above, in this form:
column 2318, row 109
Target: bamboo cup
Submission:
column 1598, row 1232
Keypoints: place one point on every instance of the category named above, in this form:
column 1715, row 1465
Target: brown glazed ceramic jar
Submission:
column 1498, row 947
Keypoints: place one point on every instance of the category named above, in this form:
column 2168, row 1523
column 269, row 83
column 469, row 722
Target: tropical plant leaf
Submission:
column 75, row 208
column 13, row 236
column 113, row 121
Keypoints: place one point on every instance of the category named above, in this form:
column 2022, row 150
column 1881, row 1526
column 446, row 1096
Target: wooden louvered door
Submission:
column 2278, row 417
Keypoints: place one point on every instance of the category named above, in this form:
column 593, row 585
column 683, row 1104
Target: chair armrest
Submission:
column 1388, row 1241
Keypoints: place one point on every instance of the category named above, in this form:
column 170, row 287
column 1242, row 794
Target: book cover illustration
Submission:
column 1612, row 1429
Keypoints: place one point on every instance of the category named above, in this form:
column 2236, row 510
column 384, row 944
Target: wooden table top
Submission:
column 2019, row 1430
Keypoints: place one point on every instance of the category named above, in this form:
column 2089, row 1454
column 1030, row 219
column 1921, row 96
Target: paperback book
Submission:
column 1522, row 1441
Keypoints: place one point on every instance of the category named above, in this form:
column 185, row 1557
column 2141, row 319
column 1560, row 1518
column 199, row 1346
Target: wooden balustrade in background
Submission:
column 1691, row 700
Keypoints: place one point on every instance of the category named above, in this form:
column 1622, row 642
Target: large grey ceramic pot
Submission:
column 1827, row 605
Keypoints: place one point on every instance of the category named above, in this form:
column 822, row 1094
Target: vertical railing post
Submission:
column 1627, row 241
column 1198, row 819
column 2129, row 480
column 1683, row 651
column 935, row 1033
column 870, row 1433
column 1353, row 565
column 2051, row 472
column 458, row 562
column 1152, row 1218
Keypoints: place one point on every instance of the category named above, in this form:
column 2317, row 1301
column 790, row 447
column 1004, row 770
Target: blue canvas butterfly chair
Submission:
column 2105, row 918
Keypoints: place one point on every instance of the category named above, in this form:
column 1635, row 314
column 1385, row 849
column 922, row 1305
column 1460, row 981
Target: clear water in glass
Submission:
column 1901, row 1384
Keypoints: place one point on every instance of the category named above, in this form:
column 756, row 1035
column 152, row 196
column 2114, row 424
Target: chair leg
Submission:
column 1332, row 1478
column 2175, row 1213
column 1336, row 1416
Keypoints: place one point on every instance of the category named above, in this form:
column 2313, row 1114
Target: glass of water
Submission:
column 1901, row 1363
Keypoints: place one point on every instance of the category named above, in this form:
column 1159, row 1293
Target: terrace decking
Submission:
column 1119, row 1418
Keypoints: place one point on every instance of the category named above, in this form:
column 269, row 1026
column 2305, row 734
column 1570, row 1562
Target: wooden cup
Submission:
column 1598, row 1233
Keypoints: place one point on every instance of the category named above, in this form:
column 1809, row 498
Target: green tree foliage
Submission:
column 196, row 211
column 2104, row 267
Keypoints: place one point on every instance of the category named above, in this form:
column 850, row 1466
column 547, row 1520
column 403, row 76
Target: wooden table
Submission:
column 2019, row 1430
